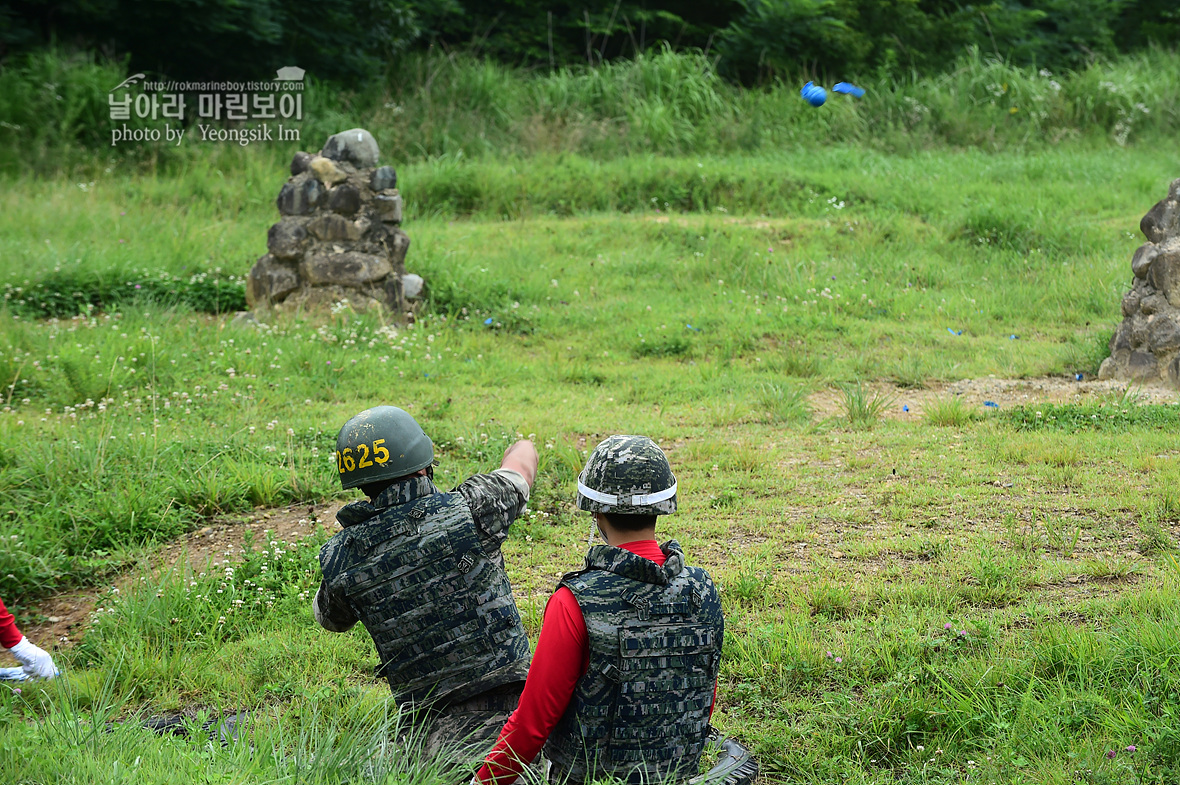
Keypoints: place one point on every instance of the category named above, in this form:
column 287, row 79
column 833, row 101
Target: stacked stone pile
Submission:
column 340, row 236
column 1146, row 346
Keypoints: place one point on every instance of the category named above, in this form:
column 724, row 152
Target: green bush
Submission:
column 1110, row 417
column 53, row 103
column 72, row 291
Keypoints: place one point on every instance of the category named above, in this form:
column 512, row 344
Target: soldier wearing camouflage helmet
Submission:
column 624, row 674
column 422, row 570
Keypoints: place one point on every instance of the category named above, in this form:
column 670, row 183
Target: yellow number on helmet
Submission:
column 379, row 452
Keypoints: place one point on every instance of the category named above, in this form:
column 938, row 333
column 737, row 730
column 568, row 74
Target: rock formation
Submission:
column 340, row 235
column 1146, row 346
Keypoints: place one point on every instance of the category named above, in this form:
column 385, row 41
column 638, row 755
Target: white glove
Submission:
column 36, row 661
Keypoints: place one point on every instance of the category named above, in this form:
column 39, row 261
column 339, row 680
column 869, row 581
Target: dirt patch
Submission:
column 66, row 616
column 225, row 538
column 1072, row 590
column 1005, row 393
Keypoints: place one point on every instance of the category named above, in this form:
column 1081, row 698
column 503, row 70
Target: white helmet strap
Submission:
column 640, row 500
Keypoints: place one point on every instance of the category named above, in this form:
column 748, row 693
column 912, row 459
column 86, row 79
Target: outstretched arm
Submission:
column 522, row 458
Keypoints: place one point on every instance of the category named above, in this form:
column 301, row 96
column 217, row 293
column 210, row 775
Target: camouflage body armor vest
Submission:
column 439, row 610
column 641, row 712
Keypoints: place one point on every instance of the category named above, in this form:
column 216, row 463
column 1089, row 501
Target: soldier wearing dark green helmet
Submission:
column 422, row 570
column 380, row 444
column 624, row 676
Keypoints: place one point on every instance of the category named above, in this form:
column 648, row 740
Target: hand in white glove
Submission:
column 36, row 661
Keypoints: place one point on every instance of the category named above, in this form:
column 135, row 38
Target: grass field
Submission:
column 969, row 595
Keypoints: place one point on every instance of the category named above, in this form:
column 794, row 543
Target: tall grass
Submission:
column 326, row 739
column 949, row 412
column 862, row 408
column 53, row 109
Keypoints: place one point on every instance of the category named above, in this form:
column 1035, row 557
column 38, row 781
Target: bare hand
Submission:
column 522, row 458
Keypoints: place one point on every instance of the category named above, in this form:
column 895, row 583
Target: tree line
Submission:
column 752, row 41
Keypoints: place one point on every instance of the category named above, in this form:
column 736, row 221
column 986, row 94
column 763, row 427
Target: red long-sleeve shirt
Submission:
column 9, row 634
column 561, row 658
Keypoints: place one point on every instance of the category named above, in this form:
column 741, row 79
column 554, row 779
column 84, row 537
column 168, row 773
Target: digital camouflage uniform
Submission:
column 641, row 712
column 422, row 570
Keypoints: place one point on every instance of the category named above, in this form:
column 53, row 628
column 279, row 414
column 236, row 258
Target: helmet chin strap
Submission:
column 594, row 527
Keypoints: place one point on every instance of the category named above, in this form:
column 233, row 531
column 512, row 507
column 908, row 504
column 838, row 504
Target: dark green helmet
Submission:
column 628, row 475
column 380, row 444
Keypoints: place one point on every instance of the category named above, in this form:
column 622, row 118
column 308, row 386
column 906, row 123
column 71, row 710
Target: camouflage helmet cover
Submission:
column 628, row 475
column 380, row 444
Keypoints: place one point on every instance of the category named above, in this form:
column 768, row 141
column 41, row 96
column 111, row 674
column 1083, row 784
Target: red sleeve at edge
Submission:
column 10, row 635
column 561, row 658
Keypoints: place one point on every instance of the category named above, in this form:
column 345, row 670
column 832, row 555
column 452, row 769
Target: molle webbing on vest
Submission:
column 440, row 612
column 641, row 712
